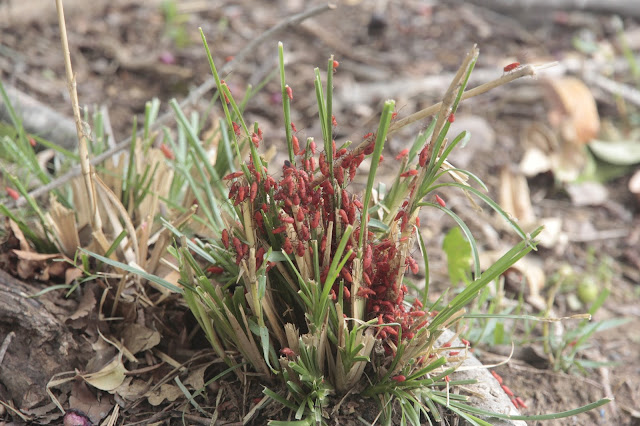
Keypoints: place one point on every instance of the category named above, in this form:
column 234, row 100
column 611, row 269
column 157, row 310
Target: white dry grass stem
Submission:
column 83, row 151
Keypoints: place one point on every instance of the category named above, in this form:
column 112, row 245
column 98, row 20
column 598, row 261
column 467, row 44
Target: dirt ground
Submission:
column 125, row 53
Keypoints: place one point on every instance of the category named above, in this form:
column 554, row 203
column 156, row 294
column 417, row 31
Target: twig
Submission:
column 524, row 71
column 625, row 91
column 192, row 98
column 83, row 150
column 619, row 7
column 527, row 70
column 5, row 344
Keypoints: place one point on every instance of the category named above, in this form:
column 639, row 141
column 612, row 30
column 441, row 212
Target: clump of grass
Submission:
column 309, row 289
column 293, row 274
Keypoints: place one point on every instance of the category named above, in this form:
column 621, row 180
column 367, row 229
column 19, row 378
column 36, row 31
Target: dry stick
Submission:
column 192, row 98
column 83, row 151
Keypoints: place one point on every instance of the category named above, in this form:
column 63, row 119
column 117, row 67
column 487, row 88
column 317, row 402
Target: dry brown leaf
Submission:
column 84, row 399
column 109, row 377
column 63, row 222
column 86, row 305
column 17, row 233
column 196, row 377
column 138, row 338
column 35, row 257
column 573, row 109
column 166, row 391
column 514, row 196
column 132, row 389
column 72, row 274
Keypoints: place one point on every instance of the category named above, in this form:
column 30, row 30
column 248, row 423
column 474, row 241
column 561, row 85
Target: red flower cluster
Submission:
column 293, row 211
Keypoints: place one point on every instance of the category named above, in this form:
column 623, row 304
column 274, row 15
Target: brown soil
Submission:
column 116, row 47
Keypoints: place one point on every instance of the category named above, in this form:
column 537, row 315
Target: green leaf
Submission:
column 622, row 153
column 458, row 251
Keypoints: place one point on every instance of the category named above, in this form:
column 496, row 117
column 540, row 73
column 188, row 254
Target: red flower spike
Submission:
column 402, row 154
column 233, row 175
column 368, row 257
column 312, row 147
column 287, row 246
column 255, row 139
column 287, row 219
column 346, row 292
column 497, row 376
column 336, row 64
column 215, row 270
column 343, row 216
column 293, row 127
column 304, row 233
column 408, row 173
column 352, row 171
column 333, row 120
column 167, row 152
column 300, row 215
column 296, row 144
column 32, row 142
column 316, row 220
column 225, row 238
column 466, row 343
column 300, row 249
column 414, row 266
column 287, row 352
column 511, row 67
column 347, row 275
column 454, row 353
column 327, row 187
column 237, row 245
column 521, row 402
column 352, row 214
column 394, row 115
column 440, row 201
column 399, row 378
column 446, row 345
column 451, row 118
column 447, row 379
column 236, row 128
column 506, row 390
column 279, row 229
column 422, row 159
column 260, row 253
column 289, row 91
column 339, row 175
column 254, row 191
column 369, row 149
column 12, row 193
